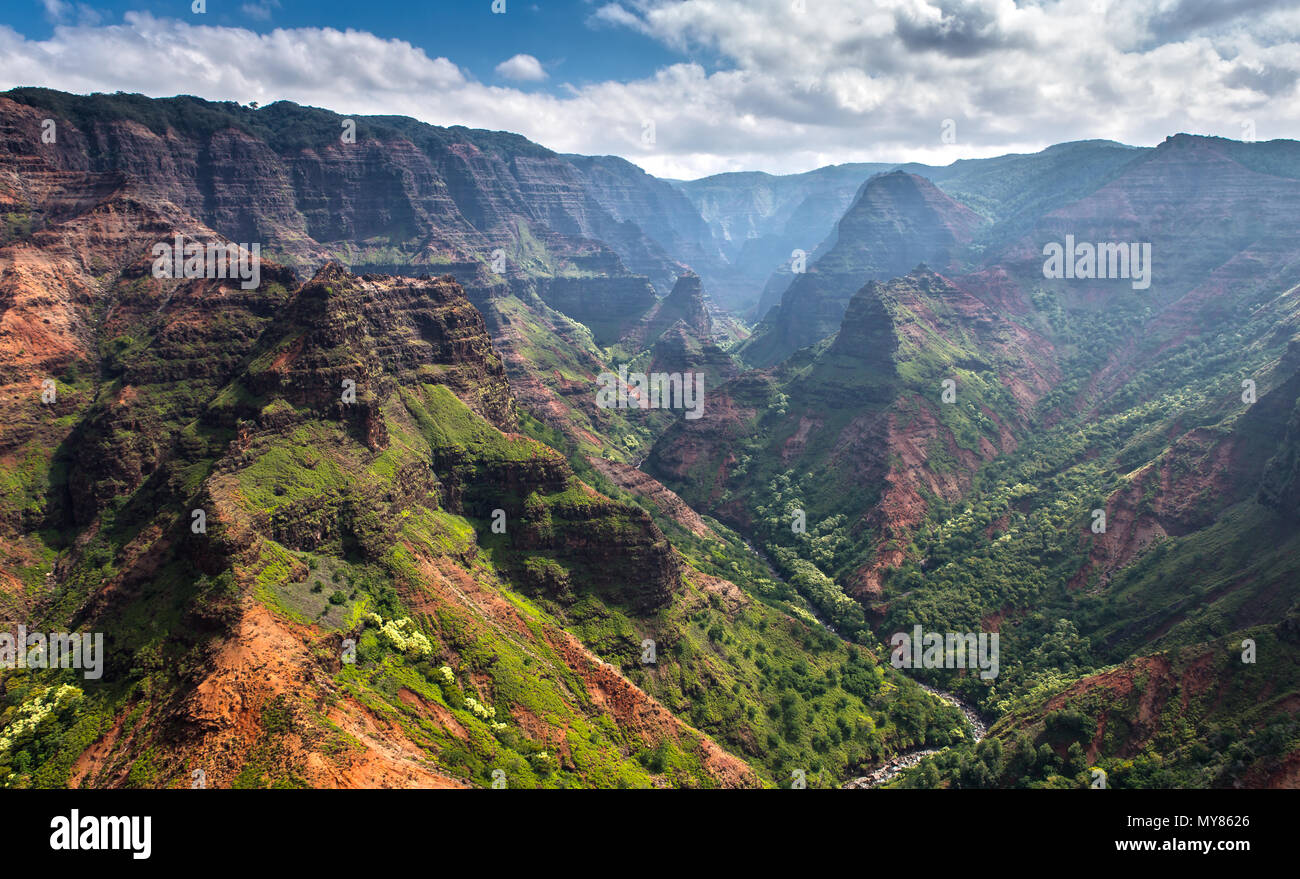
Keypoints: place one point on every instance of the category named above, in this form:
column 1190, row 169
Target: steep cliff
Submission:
column 655, row 207
column 309, row 184
column 387, row 194
column 685, row 304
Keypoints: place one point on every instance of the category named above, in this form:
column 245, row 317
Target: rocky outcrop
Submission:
column 685, row 304
column 608, row 306
column 608, row 548
column 378, row 332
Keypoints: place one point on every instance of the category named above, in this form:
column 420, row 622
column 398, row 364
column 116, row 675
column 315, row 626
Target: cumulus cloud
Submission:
column 1185, row 16
column 787, row 86
column 958, row 28
column 524, row 68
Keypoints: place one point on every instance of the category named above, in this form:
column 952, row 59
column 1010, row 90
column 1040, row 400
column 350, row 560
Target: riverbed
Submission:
column 895, row 765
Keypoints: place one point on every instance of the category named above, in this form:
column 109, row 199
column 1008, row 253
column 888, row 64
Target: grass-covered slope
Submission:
column 389, row 586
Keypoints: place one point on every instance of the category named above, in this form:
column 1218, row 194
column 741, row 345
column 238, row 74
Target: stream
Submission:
column 894, row 766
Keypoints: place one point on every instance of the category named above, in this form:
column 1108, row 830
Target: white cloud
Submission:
column 524, row 68
column 614, row 14
column 846, row 80
column 62, row 10
column 260, row 10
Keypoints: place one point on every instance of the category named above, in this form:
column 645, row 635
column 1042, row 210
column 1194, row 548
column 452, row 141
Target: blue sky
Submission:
column 691, row 87
column 557, row 32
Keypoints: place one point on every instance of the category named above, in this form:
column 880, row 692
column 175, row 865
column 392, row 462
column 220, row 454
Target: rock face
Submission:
column 607, row 306
column 658, row 208
column 1280, row 484
column 867, row 331
column 685, row 304
column 404, row 197
column 392, row 331
column 897, row 221
column 169, row 348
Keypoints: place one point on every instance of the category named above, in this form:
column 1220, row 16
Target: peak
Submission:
column 1183, row 140
column 904, row 186
column 684, row 304
column 688, row 284
column 331, row 271
column 867, row 331
column 897, row 177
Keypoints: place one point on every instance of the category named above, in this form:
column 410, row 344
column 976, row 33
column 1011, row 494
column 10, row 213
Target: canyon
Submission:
column 391, row 425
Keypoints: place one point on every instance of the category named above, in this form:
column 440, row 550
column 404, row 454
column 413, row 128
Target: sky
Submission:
column 686, row 88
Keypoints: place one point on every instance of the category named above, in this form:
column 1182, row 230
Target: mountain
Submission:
column 349, row 512
column 846, row 432
column 759, row 219
column 655, row 208
column 325, row 542
column 378, row 191
column 515, row 223
column 897, row 221
column 1106, row 482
